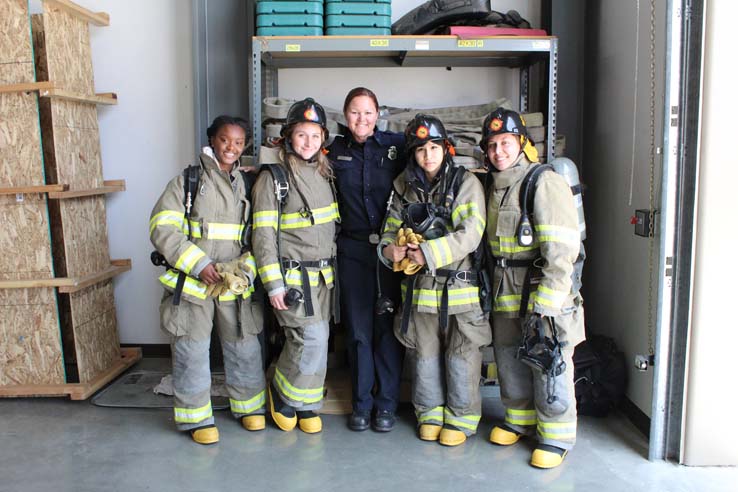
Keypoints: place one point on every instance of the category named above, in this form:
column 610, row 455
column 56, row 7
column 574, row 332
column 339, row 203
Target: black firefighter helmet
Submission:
column 305, row 111
column 422, row 129
column 503, row 120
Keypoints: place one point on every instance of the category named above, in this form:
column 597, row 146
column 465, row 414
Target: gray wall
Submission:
column 711, row 364
column 616, row 162
column 568, row 24
column 222, row 47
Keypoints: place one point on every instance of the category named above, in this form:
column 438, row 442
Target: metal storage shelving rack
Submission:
column 270, row 53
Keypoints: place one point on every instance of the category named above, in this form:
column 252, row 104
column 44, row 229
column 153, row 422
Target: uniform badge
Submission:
column 392, row 153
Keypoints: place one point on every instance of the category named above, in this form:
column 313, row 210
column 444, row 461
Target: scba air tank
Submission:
column 566, row 168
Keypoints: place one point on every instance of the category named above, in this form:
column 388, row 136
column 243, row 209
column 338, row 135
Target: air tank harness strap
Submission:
column 303, row 265
column 530, row 265
column 407, row 305
column 469, row 276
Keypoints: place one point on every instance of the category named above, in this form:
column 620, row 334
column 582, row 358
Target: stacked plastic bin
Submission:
column 289, row 18
column 358, row 17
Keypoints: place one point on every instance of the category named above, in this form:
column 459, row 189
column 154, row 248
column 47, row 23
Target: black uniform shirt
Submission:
column 364, row 175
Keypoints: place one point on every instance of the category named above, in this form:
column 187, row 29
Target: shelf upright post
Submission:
column 256, row 94
column 524, row 88
column 553, row 60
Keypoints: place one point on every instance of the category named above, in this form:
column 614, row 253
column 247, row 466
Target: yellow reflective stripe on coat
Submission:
column 549, row 297
column 431, row 297
column 176, row 219
column 191, row 286
column 465, row 421
column 248, row 406
column 294, row 276
column 509, row 244
column 466, row 210
column 392, row 224
column 193, row 415
column 167, row 217
column 250, row 262
column 563, row 431
column 520, row 417
column 189, row 258
column 510, row 303
column 557, row 234
column 265, row 218
column 327, row 275
column 298, row 220
column 441, row 251
column 230, row 296
column 434, row 414
column 310, row 395
column 270, row 272
column 221, row 231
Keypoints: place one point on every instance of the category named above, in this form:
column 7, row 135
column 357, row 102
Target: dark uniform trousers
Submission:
column 374, row 353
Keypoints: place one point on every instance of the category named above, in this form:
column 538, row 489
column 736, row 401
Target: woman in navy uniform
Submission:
column 365, row 162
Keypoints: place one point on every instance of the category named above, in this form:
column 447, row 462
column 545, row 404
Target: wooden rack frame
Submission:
column 67, row 285
column 76, row 391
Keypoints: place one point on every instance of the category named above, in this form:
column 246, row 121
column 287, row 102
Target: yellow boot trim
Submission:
column 451, row 437
column 205, row 435
column 311, row 425
column 503, row 437
column 253, row 422
column 284, row 423
column 546, row 459
column 429, row 432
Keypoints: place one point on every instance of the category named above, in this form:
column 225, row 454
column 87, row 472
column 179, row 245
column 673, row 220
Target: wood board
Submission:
column 90, row 329
column 76, row 391
column 30, row 344
column 71, row 146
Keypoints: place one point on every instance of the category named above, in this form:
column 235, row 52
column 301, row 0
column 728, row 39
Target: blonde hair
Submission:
column 293, row 160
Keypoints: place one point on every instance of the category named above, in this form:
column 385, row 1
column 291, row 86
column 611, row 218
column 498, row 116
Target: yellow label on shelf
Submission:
column 379, row 42
column 292, row 47
column 470, row 43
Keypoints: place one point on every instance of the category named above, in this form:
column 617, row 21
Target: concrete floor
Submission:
column 61, row 445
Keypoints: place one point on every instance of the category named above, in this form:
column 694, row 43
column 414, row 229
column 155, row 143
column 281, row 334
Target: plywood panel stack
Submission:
column 30, row 342
column 81, row 268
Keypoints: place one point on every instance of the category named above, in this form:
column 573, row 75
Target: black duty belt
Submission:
column 530, row 265
column 303, row 265
column 469, row 276
column 506, row 262
column 371, row 238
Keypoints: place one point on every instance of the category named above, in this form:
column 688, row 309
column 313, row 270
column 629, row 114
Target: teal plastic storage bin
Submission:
column 359, row 1
column 358, row 21
column 358, row 31
column 282, row 7
column 357, row 8
column 289, row 31
column 288, row 20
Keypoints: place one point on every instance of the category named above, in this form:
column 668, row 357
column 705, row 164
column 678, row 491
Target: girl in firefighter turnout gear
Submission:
column 534, row 297
column 294, row 245
column 441, row 321
column 205, row 246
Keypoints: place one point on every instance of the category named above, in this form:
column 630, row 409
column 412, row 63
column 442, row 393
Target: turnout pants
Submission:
column 300, row 372
column 374, row 354
column 189, row 326
column 524, row 391
column 448, row 365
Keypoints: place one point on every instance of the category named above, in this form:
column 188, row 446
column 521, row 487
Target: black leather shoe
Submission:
column 359, row 421
column 383, row 421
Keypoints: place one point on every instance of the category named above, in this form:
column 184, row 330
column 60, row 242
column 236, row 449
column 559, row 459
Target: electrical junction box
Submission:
column 642, row 222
